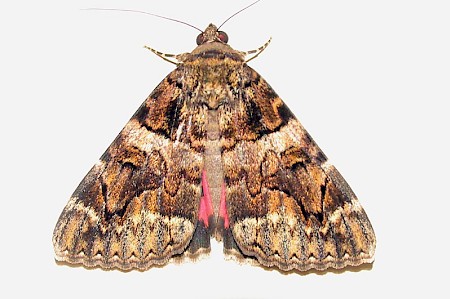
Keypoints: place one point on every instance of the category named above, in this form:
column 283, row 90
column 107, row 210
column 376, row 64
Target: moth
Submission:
column 213, row 152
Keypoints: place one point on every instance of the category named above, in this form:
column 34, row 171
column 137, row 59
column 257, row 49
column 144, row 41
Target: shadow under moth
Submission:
column 214, row 152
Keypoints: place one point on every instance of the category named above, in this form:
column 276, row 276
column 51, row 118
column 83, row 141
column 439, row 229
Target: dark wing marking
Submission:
column 287, row 206
column 138, row 205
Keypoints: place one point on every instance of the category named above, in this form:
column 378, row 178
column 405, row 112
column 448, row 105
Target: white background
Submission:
column 370, row 80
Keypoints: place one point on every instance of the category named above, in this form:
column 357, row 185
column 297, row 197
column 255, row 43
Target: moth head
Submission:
column 211, row 34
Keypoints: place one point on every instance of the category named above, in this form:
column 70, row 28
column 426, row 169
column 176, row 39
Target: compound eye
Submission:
column 200, row 39
column 223, row 37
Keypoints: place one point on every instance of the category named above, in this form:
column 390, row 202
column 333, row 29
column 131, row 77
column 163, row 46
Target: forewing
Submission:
column 138, row 206
column 287, row 206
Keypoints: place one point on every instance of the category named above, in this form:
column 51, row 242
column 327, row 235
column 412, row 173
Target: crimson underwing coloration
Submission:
column 214, row 152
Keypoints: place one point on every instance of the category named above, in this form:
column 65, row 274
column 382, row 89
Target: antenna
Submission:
column 146, row 13
column 238, row 13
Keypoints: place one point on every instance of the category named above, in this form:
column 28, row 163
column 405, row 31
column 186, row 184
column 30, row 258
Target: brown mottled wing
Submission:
column 287, row 206
column 138, row 205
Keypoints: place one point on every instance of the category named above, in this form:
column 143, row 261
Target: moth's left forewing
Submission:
column 287, row 206
column 138, row 206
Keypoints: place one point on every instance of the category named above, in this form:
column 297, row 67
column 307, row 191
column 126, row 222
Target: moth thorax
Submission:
column 214, row 96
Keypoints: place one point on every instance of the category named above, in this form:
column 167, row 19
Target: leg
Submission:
column 164, row 56
column 257, row 51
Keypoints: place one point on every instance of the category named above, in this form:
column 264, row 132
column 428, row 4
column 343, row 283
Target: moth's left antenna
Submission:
column 146, row 13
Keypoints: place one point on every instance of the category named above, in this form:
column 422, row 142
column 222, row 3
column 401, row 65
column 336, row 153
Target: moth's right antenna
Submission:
column 238, row 12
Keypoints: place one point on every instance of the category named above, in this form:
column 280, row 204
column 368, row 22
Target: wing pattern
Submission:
column 287, row 206
column 138, row 205
column 213, row 151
